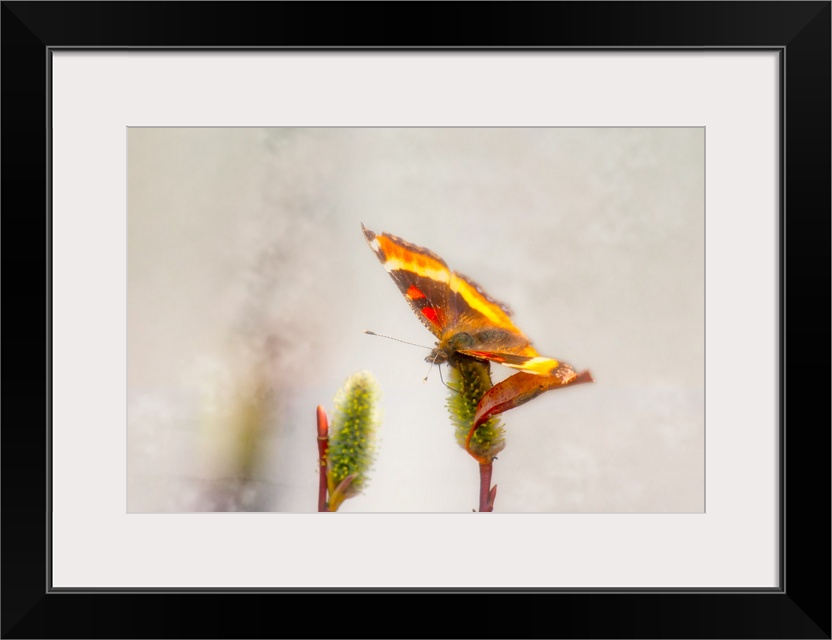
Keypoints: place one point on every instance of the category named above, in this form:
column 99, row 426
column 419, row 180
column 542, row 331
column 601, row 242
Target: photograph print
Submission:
column 416, row 320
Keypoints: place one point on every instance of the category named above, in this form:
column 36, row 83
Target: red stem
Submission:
column 323, row 445
column 487, row 492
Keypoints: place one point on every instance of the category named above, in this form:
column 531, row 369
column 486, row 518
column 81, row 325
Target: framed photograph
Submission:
column 648, row 197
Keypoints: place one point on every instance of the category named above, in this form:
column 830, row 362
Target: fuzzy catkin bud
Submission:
column 352, row 442
column 469, row 379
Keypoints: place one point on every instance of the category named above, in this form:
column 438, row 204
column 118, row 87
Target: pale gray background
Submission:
column 248, row 277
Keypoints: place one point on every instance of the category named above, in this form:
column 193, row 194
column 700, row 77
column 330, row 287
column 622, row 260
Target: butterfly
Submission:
column 464, row 318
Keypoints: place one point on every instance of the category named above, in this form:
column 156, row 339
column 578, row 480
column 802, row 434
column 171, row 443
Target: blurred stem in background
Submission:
column 238, row 417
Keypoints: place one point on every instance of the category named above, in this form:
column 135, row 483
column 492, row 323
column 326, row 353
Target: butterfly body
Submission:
column 464, row 318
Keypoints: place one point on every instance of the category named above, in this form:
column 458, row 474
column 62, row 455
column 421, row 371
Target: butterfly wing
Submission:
column 421, row 275
column 495, row 337
column 450, row 304
column 473, row 310
column 536, row 364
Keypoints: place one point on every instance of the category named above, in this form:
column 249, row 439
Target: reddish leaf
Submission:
column 492, row 496
column 522, row 387
column 342, row 492
column 323, row 425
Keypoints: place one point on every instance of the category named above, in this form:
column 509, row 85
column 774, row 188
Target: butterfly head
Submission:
column 447, row 348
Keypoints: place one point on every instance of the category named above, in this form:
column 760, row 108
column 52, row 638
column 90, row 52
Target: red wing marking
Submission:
column 433, row 315
column 485, row 354
column 414, row 293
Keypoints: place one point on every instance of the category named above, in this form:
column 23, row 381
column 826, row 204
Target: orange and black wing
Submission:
column 421, row 275
column 450, row 304
column 497, row 338
column 530, row 362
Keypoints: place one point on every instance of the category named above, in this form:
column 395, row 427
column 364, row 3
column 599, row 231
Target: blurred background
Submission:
column 250, row 284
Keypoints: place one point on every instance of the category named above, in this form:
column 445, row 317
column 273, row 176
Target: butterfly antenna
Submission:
column 413, row 344
column 381, row 335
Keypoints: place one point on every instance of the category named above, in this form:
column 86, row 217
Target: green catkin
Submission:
column 352, row 441
column 469, row 379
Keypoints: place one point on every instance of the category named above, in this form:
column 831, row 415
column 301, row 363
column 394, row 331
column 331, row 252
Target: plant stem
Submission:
column 487, row 492
column 323, row 445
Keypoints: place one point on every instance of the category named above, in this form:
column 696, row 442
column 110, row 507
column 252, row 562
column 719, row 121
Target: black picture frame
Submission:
column 799, row 608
